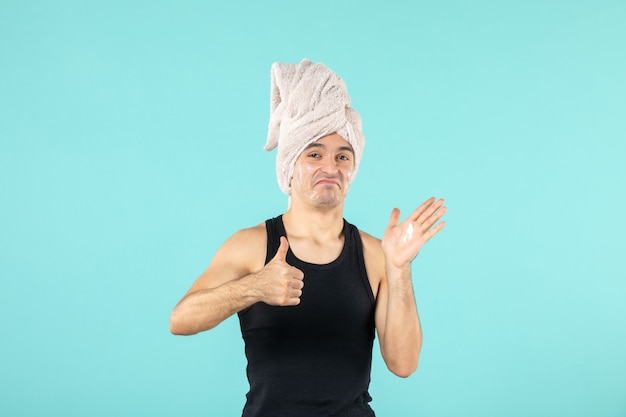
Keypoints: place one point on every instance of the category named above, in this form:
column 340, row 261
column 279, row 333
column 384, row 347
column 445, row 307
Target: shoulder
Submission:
column 242, row 253
column 251, row 233
column 371, row 244
column 246, row 246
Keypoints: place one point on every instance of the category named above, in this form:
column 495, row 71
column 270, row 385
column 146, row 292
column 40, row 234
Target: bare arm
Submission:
column 236, row 279
column 205, row 309
column 397, row 320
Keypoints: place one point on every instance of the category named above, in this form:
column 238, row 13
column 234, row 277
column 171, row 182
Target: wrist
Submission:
column 249, row 288
column 397, row 272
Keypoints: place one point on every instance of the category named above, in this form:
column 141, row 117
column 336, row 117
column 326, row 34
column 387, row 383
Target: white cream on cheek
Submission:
column 301, row 172
column 348, row 180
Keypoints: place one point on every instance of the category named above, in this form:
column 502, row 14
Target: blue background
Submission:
column 131, row 137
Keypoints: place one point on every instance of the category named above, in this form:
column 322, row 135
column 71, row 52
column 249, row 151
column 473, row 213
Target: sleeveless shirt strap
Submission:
column 355, row 236
column 272, row 226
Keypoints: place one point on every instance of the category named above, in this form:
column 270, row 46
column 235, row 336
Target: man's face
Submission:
column 323, row 172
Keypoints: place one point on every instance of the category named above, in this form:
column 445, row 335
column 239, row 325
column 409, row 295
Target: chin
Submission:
column 328, row 201
column 324, row 199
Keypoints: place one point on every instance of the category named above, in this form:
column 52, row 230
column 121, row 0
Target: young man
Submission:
column 310, row 288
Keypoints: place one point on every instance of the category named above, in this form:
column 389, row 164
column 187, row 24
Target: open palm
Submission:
column 403, row 241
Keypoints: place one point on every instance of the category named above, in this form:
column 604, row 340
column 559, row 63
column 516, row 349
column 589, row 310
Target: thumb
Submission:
column 281, row 253
column 393, row 219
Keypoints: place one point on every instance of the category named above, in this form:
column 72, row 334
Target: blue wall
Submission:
column 131, row 137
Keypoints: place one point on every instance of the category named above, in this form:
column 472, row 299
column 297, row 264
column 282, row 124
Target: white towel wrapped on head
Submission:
column 308, row 101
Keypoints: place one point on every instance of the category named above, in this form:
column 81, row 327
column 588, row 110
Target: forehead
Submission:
column 332, row 142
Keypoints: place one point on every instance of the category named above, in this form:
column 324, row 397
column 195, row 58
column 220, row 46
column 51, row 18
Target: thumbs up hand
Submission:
column 279, row 283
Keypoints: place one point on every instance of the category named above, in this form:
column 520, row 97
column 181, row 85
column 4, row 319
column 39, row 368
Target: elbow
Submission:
column 404, row 372
column 178, row 327
column 175, row 327
column 181, row 325
column 403, row 369
column 176, row 331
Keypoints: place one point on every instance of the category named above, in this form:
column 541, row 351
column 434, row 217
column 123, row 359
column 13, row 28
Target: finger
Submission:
column 297, row 274
column 393, row 219
column 423, row 218
column 432, row 232
column 297, row 284
column 294, row 301
column 433, row 219
column 293, row 297
column 421, row 209
column 281, row 253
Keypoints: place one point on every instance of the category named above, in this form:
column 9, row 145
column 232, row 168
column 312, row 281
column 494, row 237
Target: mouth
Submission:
column 327, row 181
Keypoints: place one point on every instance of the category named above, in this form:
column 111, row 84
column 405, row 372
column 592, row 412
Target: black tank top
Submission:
column 313, row 359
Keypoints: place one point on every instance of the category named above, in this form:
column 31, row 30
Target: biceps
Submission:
column 242, row 254
column 221, row 270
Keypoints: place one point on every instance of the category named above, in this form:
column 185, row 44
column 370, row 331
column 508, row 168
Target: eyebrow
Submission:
column 347, row 148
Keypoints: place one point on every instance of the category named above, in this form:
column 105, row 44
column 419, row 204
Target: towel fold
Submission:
column 307, row 102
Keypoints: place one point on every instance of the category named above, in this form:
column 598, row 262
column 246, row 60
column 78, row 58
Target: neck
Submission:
column 313, row 223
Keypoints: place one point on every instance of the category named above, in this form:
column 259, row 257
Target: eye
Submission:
column 343, row 157
column 314, row 155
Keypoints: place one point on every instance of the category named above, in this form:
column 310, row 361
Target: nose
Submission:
column 330, row 166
